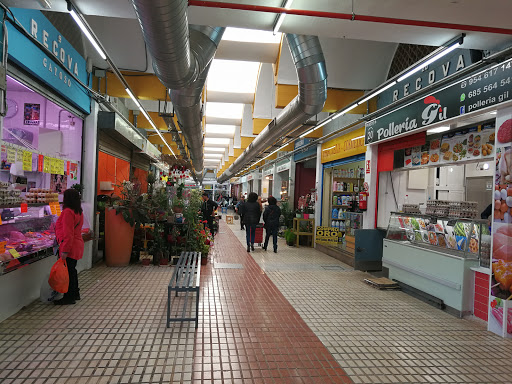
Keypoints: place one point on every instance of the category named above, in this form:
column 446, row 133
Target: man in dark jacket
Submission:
column 271, row 218
column 252, row 214
column 207, row 209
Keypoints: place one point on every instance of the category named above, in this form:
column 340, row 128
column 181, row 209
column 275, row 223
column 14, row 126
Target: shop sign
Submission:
column 456, row 61
column 327, row 235
column 367, row 166
column 268, row 171
column 283, row 166
column 44, row 64
column 483, row 89
column 250, row 177
column 307, row 152
column 344, row 146
column 208, row 187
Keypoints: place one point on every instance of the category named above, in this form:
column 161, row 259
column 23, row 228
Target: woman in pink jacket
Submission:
column 68, row 231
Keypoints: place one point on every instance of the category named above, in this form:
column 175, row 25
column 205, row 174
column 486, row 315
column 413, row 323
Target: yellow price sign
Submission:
column 14, row 253
column 2, row 246
column 11, row 155
column 53, row 208
column 47, row 164
column 27, row 161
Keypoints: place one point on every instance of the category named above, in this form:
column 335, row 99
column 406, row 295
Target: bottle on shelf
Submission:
column 334, row 213
column 335, row 186
column 333, row 223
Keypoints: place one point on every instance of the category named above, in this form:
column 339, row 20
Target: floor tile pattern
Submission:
column 383, row 336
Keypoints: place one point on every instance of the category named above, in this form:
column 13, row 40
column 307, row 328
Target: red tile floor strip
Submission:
column 249, row 332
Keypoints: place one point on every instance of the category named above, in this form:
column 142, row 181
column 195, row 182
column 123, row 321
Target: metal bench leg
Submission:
column 197, row 309
column 168, row 307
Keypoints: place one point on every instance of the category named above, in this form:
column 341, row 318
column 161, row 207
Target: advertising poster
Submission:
column 31, row 114
column 11, row 155
column 327, row 235
column 47, row 164
column 500, row 311
column 58, row 183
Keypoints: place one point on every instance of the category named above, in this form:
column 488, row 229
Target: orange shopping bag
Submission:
column 59, row 278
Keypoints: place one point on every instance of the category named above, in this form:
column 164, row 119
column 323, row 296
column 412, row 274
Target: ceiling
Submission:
column 358, row 53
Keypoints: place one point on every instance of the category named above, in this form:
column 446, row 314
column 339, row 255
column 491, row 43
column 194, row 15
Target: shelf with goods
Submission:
column 348, row 178
column 344, row 192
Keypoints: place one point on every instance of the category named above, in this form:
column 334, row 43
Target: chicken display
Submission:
column 503, row 274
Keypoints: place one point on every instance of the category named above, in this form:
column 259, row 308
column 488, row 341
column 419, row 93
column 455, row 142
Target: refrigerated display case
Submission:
column 435, row 255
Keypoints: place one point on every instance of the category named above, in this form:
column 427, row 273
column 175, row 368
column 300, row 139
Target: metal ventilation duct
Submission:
column 181, row 59
column 312, row 74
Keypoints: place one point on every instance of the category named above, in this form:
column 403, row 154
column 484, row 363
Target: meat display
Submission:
column 502, row 243
column 26, row 243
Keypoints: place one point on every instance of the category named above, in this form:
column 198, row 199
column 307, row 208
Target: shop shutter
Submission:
column 113, row 147
column 140, row 161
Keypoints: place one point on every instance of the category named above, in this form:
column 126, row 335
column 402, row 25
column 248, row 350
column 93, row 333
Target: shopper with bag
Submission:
column 271, row 217
column 68, row 231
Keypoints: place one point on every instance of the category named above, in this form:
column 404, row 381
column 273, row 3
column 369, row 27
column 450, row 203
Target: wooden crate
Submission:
column 229, row 219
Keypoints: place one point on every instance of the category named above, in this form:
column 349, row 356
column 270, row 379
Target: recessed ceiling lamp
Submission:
column 214, row 149
column 213, row 155
column 218, row 129
column 437, row 130
column 225, row 110
column 233, row 76
column 251, row 36
column 216, row 141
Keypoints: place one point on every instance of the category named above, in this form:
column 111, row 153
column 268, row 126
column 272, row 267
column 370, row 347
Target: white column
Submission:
column 291, row 182
column 88, row 179
column 371, row 179
column 318, row 185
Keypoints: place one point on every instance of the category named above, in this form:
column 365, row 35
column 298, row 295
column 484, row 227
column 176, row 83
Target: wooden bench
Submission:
column 185, row 278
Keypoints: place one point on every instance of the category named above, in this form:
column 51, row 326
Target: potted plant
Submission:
column 311, row 212
column 298, row 213
column 122, row 215
column 79, row 188
column 290, row 237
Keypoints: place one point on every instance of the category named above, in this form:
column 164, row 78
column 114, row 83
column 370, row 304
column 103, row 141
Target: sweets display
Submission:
column 39, row 195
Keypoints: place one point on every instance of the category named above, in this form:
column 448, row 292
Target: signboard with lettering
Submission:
column 44, row 64
column 483, row 89
column 448, row 65
column 268, row 171
column 347, row 145
column 284, row 166
column 302, row 154
column 327, row 235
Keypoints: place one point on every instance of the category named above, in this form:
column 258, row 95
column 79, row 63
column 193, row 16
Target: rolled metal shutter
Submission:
column 112, row 147
column 140, row 161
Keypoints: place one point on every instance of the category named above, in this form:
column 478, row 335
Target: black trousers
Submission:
column 271, row 231
column 73, row 290
column 241, row 222
column 210, row 226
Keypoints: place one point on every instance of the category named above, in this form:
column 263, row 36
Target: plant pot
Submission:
column 311, row 215
column 164, row 261
column 298, row 215
column 306, row 215
column 145, row 262
column 118, row 239
column 204, row 260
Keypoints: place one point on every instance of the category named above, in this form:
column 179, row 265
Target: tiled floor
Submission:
column 382, row 336
column 298, row 316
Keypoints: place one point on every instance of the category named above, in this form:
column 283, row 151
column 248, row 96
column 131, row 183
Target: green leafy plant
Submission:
column 132, row 204
column 287, row 214
column 78, row 187
column 290, row 236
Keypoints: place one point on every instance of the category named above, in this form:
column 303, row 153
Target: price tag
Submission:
column 53, row 208
column 24, row 207
column 27, row 161
column 11, row 155
column 57, row 208
column 47, row 164
column 14, row 253
column 40, row 162
column 2, row 246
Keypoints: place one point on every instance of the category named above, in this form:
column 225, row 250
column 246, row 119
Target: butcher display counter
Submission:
column 25, row 237
column 434, row 256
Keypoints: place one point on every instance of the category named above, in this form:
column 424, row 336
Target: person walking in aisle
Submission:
column 207, row 209
column 252, row 214
column 239, row 208
column 271, row 217
column 68, row 231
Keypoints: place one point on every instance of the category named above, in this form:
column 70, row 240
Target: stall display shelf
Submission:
column 344, row 206
column 348, row 178
column 344, row 192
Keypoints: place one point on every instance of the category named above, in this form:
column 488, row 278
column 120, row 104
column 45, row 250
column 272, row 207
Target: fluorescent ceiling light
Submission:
column 214, row 149
column 225, row 110
column 213, row 155
column 88, row 34
column 326, row 149
column 251, row 36
column 216, row 141
column 379, row 91
column 218, row 129
column 233, row 76
column 357, row 138
column 430, row 61
column 316, row 127
column 282, row 16
column 493, row 112
column 437, row 130
column 129, row 92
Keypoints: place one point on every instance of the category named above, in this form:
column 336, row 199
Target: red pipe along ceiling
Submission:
column 348, row 16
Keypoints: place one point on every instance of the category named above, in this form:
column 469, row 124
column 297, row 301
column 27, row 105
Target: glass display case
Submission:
column 25, row 237
column 465, row 238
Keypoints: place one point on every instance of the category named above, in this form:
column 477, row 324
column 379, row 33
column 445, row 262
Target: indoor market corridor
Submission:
column 297, row 316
